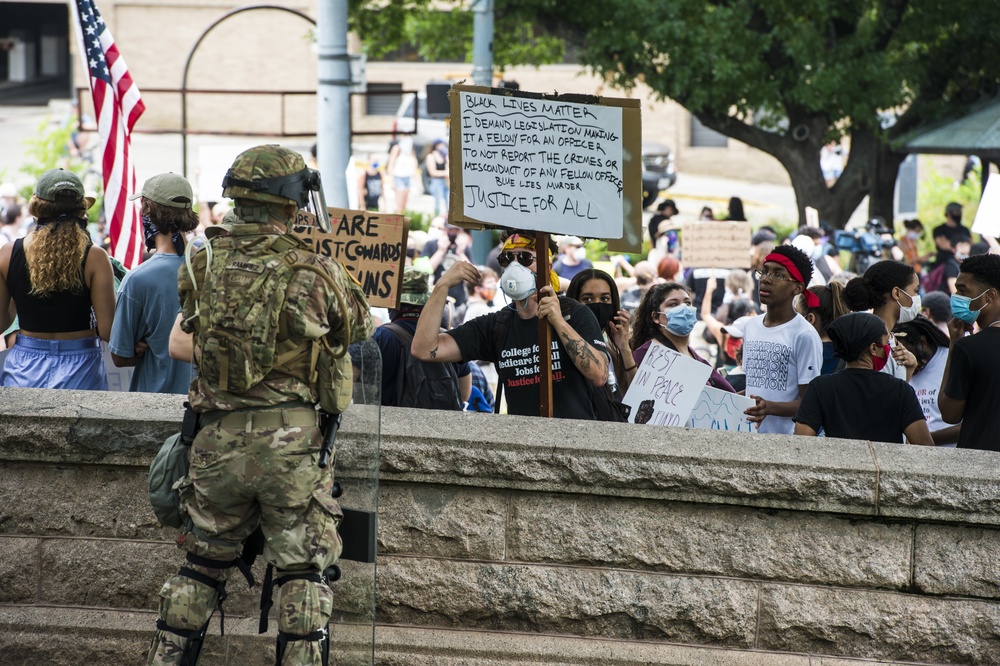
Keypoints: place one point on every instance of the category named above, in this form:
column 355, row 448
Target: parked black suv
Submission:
column 657, row 171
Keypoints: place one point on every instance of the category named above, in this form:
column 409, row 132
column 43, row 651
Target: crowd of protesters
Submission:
column 899, row 353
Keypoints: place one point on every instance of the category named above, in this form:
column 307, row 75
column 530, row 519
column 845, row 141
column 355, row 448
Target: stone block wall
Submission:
column 526, row 541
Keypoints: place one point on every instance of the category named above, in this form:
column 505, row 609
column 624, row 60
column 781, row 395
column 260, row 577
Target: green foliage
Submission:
column 418, row 221
column 937, row 191
column 49, row 149
column 597, row 250
column 446, row 36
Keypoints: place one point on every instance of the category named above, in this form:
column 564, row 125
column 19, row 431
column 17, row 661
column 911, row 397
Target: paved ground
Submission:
column 156, row 153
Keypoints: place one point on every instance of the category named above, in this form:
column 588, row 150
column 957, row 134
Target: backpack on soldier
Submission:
column 240, row 310
column 424, row 385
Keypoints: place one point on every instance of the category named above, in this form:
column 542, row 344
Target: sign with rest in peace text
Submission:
column 716, row 244
column 666, row 387
column 371, row 246
column 721, row 410
column 540, row 164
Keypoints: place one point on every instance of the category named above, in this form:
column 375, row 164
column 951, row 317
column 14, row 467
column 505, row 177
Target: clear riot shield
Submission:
column 352, row 624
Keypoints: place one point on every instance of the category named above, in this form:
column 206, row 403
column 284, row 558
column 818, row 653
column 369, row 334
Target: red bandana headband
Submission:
column 812, row 300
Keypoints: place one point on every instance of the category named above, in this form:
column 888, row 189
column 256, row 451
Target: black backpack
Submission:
column 606, row 406
column 424, row 385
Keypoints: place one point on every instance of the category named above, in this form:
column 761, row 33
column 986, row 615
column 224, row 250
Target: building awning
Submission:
column 977, row 133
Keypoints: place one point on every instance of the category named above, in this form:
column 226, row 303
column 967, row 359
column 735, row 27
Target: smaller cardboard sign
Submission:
column 987, row 220
column 119, row 379
column 812, row 217
column 666, row 387
column 370, row 245
column 716, row 244
column 721, row 410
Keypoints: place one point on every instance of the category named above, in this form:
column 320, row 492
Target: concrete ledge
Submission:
column 567, row 600
column 69, row 637
column 57, row 636
column 528, row 541
column 878, row 624
column 542, row 455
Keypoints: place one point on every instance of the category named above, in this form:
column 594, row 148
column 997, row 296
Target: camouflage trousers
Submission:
column 240, row 478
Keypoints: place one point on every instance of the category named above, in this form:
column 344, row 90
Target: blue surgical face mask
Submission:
column 680, row 319
column 960, row 308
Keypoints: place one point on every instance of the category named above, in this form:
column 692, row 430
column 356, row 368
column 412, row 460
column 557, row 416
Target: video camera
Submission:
column 870, row 241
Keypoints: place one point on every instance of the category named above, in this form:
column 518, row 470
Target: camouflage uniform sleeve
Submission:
column 186, row 289
column 357, row 305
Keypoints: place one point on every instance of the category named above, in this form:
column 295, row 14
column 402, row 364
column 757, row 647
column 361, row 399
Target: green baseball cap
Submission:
column 60, row 184
column 416, row 286
column 167, row 189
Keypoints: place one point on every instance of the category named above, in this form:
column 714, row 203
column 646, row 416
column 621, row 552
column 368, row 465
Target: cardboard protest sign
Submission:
column 812, row 217
column 716, row 244
column 666, row 387
column 370, row 245
column 721, row 410
column 560, row 164
column 119, row 379
column 987, row 220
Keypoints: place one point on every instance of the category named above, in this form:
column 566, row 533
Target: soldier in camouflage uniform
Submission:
column 254, row 461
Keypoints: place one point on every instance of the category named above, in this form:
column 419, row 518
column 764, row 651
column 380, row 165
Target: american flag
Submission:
column 118, row 105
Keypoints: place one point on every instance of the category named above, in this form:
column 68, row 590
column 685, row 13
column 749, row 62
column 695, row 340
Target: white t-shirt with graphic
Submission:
column 926, row 385
column 777, row 360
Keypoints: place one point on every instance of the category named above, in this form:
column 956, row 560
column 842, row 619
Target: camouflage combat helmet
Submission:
column 270, row 173
column 416, row 286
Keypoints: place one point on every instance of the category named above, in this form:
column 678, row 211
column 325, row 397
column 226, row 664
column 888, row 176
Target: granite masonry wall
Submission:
column 508, row 540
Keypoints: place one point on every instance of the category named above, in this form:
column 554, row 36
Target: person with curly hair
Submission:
column 62, row 288
column 971, row 381
column 667, row 316
column 891, row 290
column 147, row 300
column 782, row 352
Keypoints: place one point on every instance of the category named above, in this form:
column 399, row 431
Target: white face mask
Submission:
column 517, row 282
column 907, row 314
column 580, row 253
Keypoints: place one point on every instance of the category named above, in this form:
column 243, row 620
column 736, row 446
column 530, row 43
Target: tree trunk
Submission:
column 882, row 197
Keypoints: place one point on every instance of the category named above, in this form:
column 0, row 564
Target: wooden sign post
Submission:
column 543, row 268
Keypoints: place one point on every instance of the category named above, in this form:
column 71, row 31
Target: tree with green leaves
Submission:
column 786, row 77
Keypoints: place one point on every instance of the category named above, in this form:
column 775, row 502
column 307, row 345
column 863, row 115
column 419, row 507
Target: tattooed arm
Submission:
column 429, row 344
column 591, row 363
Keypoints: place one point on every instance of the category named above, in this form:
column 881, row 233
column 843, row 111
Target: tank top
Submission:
column 61, row 312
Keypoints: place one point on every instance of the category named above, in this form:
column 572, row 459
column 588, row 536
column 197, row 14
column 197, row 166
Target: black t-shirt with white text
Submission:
column 517, row 365
column 860, row 404
column 975, row 378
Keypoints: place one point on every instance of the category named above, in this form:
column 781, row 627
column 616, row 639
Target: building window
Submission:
column 703, row 137
column 383, row 104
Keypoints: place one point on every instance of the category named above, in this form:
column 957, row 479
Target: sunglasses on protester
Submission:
column 507, row 258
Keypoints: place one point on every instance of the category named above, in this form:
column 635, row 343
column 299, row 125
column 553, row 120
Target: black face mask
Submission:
column 150, row 231
column 603, row 312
